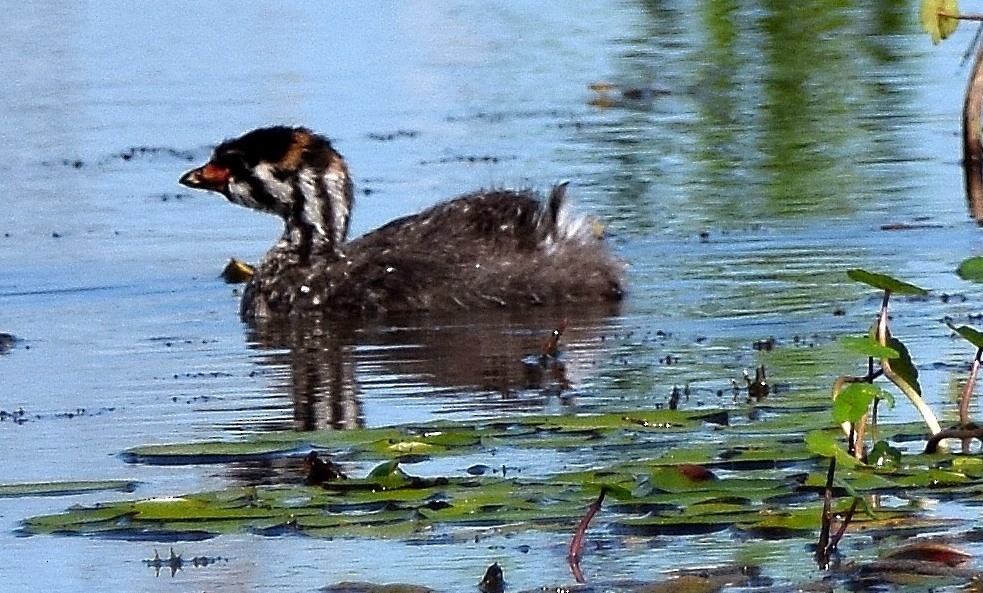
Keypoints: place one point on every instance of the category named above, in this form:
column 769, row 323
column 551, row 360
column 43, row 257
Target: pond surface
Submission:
column 786, row 143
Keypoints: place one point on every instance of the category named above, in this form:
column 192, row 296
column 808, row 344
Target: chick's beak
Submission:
column 209, row 176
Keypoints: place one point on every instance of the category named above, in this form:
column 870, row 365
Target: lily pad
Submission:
column 211, row 452
column 971, row 269
column 63, row 488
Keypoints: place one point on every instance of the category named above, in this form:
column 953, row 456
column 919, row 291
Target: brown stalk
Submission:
column 577, row 543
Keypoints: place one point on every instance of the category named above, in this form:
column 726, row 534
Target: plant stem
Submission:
column 926, row 412
column 835, row 540
column 961, row 17
column 577, row 543
column 970, row 387
column 822, row 547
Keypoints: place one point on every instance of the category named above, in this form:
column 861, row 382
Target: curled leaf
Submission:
column 885, row 282
column 935, row 18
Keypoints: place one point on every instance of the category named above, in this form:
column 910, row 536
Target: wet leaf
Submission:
column 63, row 488
column 971, row 269
column 933, row 478
column 970, row 334
column 903, row 366
column 869, row 347
column 389, row 475
column 615, row 491
column 211, row 452
column 931, row 551
column 885, row 282
column 937, row 26
column 854, row 401
column 662, row 525
column 823, row 442
column 883, row 453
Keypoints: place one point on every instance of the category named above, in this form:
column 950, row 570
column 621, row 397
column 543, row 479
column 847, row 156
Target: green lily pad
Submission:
column 971, row 269
column 212, row 452
column 688, row 525
column 63, row 488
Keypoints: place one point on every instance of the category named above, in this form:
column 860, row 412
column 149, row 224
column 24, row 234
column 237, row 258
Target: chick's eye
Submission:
column 233, row 161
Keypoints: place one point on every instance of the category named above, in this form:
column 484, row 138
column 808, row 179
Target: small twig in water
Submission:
column 835, row 540
column 822, row 547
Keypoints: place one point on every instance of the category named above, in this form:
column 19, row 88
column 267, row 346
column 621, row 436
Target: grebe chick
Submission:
column 488, row 249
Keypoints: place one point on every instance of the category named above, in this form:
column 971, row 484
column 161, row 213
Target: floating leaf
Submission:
column 971, row 269
column 615, row 491
column 933, row 478
column 211, row 452
column 972, row 335
column 885, row 282
column 661, row 525
column 63, row 488
column 931, row 551
column 934, row 23
column 869, row 347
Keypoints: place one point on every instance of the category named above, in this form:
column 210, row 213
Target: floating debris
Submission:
column 614, row 95
column 175, row 562
column 7, row 342
column 237, row 272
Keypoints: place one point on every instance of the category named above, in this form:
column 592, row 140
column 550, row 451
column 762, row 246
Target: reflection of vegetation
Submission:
column 788, row 99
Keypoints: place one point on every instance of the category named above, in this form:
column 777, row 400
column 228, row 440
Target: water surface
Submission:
column 782, row 138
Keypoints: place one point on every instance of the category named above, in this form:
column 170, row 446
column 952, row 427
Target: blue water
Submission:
column 787, row 136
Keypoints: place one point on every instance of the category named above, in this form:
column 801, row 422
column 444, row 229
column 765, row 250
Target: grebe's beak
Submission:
column 210, row 176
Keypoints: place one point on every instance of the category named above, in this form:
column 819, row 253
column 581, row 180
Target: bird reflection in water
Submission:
column 484, row 363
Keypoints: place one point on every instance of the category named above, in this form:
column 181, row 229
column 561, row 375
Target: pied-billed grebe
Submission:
column 497, row 248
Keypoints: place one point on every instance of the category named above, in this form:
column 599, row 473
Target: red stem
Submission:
column 577, row 543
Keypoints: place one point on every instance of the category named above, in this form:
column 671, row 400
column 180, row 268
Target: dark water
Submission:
column 787, row 136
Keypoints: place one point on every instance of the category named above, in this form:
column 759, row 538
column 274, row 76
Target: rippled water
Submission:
column 783, row 138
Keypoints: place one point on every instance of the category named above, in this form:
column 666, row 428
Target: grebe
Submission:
column 495, row 248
